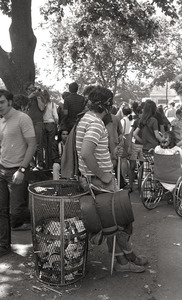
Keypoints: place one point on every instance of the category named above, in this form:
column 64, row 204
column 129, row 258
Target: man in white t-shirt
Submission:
column 171, row 111
column 18, row 145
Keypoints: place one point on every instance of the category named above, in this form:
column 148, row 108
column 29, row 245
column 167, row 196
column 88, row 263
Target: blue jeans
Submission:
column 38, row 127
column 13, row 204
column 49, row 138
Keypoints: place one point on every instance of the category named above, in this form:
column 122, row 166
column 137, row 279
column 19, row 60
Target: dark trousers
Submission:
column 49, row 138
column 13, row 204
column 38, row 127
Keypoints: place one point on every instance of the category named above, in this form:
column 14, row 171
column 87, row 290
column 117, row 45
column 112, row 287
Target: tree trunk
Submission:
column 17, row 67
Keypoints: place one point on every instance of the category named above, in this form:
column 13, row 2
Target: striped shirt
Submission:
column 91, row 128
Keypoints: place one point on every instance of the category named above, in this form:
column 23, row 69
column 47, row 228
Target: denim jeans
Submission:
column 38, row 127
column 49, row 138
column 13, row 204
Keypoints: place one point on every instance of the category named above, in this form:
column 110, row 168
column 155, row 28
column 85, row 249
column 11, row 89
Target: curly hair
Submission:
column 172, row 139
column 100, row 99
column 20, row 101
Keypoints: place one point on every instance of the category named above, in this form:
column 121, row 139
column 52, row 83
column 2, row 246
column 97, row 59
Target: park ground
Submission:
column 157, row 234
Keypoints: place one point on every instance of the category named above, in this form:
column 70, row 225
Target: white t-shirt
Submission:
column 126, row 125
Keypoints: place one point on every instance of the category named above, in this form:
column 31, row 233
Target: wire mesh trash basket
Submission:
column 59, row 236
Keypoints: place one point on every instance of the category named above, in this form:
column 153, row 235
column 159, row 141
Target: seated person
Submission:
column 168, row 147
column 58, row 149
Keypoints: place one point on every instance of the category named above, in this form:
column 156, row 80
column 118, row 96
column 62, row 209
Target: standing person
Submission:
column 135, row 148
column 50, row 118
column 149, row 127
column 150, row 136
column 61, row 116
column 115, row 131
column 171, row 111
column 95, row 164
column 36, row 108
column 18, row 145
column 126, row 123
column 73, row 105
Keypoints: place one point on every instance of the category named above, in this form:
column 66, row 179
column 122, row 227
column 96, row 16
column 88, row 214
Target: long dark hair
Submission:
column 148, row 112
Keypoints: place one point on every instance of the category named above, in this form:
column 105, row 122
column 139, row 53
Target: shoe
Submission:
column 4, row 251
column 129, row 267
column 23, row 227
column 140, row 260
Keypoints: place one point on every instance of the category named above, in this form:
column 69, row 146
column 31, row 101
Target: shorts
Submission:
column 137, row 153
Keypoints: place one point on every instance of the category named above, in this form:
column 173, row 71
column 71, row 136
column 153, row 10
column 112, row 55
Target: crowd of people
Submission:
column 33, row 134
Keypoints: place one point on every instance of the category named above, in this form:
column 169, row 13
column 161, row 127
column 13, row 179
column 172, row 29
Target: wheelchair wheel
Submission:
column 151, row 192
column 177, row 198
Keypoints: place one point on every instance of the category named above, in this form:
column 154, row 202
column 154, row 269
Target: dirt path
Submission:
column 157, row 234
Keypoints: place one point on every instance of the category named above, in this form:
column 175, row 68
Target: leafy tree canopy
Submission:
column 101, row 40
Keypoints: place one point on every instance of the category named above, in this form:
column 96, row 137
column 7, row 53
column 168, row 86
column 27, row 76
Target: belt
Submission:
column 12, row 168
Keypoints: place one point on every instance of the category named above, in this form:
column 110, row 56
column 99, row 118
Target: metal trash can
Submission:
column 59, row 236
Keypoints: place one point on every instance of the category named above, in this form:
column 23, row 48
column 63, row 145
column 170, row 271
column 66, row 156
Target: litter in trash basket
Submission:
column 59, row 236
column 48, row 248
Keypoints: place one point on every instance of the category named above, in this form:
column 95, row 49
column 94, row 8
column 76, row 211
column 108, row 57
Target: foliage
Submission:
column 5, row 7
column 98, row 41
column 177, row 86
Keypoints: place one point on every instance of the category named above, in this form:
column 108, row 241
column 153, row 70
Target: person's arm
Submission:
column 110, row 131
column 162, row 130
column 87, row 154
column 136, row 135
column 158, row 136
column 40, row 103
column 31, row 148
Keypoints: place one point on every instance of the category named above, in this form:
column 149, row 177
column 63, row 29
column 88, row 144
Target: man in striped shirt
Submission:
column 95, row 164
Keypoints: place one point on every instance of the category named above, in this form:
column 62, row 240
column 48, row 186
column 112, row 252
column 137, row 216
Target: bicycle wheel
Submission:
column 151, row 192
column 177, row 198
